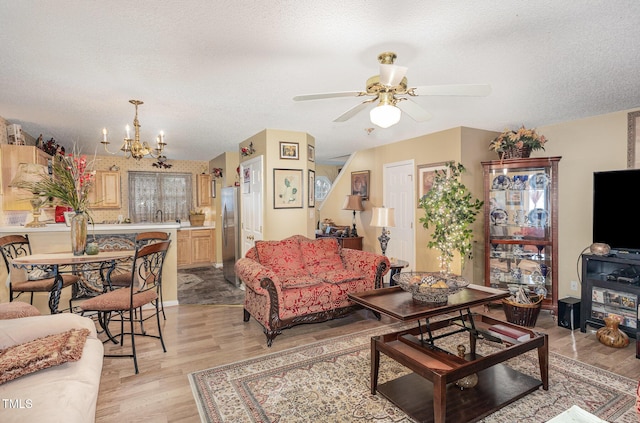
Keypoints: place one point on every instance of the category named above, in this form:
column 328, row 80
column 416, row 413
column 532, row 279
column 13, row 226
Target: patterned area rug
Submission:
column 207, row 285
column 329, row 381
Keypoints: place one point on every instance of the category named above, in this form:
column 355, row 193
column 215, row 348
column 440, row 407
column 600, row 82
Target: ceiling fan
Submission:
column 391, row 91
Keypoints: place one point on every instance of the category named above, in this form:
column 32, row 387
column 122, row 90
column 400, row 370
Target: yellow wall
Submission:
column 466, row 145
column 281, row 223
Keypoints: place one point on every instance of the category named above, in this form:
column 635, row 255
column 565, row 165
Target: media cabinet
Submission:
column 611, row 286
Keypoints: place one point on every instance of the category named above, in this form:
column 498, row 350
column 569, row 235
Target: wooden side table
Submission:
column 353, row 242
column 396, row 267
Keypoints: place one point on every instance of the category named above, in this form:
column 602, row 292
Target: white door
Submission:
column 251, row 212
column 398, row 192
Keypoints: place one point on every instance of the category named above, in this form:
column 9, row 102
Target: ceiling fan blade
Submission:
column 391, row 75
column 328, row 95
column 479, row 90
column 414, row 110
column 352, row 111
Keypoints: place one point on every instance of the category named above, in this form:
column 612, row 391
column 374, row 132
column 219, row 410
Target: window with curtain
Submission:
column 153, row 191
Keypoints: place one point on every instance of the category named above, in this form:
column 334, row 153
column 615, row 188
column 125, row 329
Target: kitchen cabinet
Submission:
column 105, row 193
column 10, row 157
column 521, row 226
column 196, row 247
column 203, row 190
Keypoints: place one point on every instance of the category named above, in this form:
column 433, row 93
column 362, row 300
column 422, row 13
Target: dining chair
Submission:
column 14, row 246
column 123, row 279
column 121, row 305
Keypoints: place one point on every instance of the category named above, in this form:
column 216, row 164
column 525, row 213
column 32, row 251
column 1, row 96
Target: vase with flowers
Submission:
column 518, row 144
column 72, row 179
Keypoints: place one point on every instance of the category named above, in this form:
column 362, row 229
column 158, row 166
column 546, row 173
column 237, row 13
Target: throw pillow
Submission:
column 283, row 257
column 48, row 351
column 17, row 310
column 321, row 255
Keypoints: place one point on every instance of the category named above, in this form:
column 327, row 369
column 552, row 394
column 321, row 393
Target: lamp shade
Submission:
column 353, row 202
column 383, row 217
column 28, row 174
column 385, row 115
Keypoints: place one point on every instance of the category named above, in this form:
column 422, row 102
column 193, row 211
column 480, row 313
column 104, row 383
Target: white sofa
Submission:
column 64, row 393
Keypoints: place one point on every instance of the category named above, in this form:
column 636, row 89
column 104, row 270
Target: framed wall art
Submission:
column 426, row 177
column 360, row 181
column 633, row 140
column 311, row 153
column 311, row 188
column 287, row 188
column 289, row 150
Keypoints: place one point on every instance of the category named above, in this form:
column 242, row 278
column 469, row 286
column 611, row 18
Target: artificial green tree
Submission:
column 450, row 209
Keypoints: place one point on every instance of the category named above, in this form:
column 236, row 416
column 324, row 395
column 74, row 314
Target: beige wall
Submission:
column 228, row 162
column 586, row 145
column 281, row 223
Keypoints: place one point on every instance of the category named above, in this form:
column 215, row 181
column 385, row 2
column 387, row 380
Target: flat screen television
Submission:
column 616, row 218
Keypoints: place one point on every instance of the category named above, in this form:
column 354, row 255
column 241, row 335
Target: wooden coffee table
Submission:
column 429, row 393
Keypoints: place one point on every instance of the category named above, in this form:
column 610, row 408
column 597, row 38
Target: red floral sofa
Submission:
column 300, row 280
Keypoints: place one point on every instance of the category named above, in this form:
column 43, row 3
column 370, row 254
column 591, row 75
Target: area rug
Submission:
column 329, row 381
column 207, row 285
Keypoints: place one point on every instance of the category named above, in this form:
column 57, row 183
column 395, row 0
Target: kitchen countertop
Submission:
column 102, row 227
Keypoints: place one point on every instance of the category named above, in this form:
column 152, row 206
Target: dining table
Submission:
column 58, row 264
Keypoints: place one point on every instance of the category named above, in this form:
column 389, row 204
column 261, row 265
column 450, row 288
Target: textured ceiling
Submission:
column 213, row 73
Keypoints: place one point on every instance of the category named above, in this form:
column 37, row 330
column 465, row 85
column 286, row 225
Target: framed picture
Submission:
column 360, row 183
column 287, row 188
column 311, row 188
column 514, row 198
column 67, row 217
column 633, row 140
column 289, row 150
column 311, row 153
column 213, row 188
column 426, row 177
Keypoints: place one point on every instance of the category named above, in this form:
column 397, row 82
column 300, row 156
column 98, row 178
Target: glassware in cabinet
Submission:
column 521, row 225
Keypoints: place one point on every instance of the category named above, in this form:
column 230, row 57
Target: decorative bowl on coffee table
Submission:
column 430, row 287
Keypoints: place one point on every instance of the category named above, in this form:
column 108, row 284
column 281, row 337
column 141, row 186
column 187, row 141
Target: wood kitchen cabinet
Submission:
column 203, row 190
column 10, row 157
column 196, row 247
column 105, row 193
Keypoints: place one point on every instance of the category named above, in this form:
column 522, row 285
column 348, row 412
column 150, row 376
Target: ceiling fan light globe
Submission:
column 385, row 116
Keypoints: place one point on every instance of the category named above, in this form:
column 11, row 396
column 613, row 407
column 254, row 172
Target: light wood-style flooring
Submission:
column 200, row 336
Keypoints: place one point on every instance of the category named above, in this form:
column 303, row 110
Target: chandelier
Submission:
column 133, row 147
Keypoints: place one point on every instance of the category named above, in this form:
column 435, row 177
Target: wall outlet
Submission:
column 574, row 285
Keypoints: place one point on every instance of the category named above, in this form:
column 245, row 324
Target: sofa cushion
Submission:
column 283, row 257
column 321, row 255
column 52, row 350
column 340, row 276
column 303, row 281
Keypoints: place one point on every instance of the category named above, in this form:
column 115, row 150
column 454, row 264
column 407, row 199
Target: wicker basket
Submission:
column 196, row 219
column 516, row 153
column 523, row 314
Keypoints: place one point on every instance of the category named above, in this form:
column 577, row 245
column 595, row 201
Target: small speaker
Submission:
column 569, row 313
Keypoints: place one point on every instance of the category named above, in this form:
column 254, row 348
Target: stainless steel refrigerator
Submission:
column 230, row 233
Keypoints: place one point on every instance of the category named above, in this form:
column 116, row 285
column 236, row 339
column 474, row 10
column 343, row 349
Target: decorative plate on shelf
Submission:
column 499, row 217
column 539, row 181
column 538, row 217
column 501, row 182
column 520, row 181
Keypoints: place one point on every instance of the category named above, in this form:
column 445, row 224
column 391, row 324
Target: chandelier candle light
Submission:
column 133, row 147
column 383, row 217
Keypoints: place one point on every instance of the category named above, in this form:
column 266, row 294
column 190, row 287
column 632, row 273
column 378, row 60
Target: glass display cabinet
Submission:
column 521, row 226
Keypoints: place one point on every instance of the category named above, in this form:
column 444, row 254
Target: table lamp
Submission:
column 353, row 202
column 26, row 176
column 383, row 217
